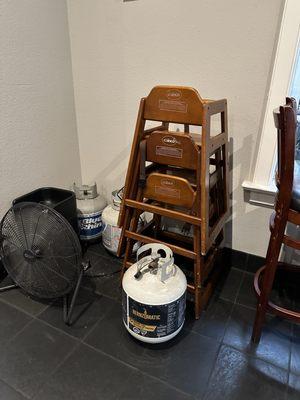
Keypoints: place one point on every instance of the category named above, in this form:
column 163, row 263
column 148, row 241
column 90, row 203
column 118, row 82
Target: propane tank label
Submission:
column 90, row 225
column 111, row 236
column 153, row 321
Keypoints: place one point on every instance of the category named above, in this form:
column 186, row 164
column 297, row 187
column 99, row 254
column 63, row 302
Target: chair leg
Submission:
column 157, row 224
column 126, row 212
column 268, row 277
column 129, row 244
column 127, row 255
column 198, row 263
column 219, row 188
column 198, row 305
column 262, row 303
column 122, row 240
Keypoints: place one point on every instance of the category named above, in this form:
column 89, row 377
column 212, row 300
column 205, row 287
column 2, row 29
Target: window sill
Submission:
column 259, row 195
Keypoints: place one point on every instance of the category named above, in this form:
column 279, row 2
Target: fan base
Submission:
column 8, row 287
column 67, row 310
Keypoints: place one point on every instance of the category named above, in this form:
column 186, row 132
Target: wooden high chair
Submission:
column 179, row 175
column 287, row 209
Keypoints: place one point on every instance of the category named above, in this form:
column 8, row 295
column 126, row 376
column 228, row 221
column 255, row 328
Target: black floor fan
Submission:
column 42, row 254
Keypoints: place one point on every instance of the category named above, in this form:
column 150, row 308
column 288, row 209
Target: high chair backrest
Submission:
column 170, row 190
column 177, row 104
column 172, row 148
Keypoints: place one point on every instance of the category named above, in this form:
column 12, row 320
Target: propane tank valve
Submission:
column 152, row 267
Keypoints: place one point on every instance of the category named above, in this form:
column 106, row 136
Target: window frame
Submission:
column 261, row 190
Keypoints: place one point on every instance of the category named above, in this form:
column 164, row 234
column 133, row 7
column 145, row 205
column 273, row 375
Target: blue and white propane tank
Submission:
column 90, row 206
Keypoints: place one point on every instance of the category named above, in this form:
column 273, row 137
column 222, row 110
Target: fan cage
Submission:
column 40, row 250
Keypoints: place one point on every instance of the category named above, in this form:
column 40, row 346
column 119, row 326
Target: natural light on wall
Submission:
column 285, row 81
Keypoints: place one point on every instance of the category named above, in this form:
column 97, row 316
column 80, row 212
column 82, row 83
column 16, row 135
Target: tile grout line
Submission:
column 103, row 294
column 15, row 389
column 227, row 323
column 240, row 285
column 254, row 309
column 58, row 329
column 99, row 292
column 105, row 256
column 36, row 318
column 96, row 324
column 221, row 345
column 245, row 352
column 20, row 331
column 249, row 273
column 291, row 347
column 133, row 368
column 55, row 369
column 245, row 305
column 210, row 337
column 212, row 370
column 255, row 357
column 8, row 303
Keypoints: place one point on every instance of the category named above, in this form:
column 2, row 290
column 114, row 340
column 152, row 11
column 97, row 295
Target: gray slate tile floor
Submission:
column 96, row 359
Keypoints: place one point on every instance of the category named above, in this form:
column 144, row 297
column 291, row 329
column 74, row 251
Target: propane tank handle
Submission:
column 155, row 247
column 164, row 274
column 167, row 260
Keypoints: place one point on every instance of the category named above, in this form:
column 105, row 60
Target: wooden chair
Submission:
column 185, row 179
column 179, row 154
column 287, row 209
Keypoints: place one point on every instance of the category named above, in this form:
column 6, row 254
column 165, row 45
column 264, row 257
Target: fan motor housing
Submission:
column 154, row 306
column 61, row 200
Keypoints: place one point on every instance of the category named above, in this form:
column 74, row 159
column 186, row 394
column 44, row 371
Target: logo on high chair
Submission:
column 167, row 182
column 170, row 140
column 173, row 94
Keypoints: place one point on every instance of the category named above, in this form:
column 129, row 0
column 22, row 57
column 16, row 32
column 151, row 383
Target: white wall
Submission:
column 222, row 48
column 38, row 133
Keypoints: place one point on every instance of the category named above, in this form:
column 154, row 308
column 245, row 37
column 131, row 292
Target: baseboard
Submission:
column 240, row 260
column 232, row 258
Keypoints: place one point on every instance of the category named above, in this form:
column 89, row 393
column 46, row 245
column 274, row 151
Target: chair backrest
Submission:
column 178, row 104
column 170, row 190
column 286, row 122
column 172, row 148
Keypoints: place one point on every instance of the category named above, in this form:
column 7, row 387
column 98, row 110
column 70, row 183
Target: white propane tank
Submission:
column 154, row 296
column 111, row 232
column 89, row 211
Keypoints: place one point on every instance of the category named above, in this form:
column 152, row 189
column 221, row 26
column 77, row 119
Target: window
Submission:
column 285, row 81
column 295, row 92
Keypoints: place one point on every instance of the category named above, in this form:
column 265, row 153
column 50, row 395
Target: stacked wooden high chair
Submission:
column 181, row 176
